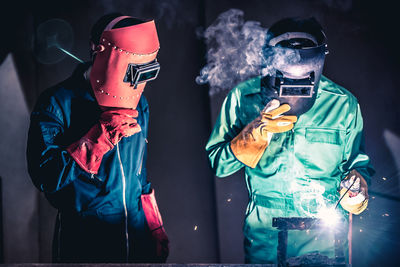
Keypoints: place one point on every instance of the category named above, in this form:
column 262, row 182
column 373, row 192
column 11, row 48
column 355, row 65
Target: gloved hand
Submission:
column 156, row 226
column 114, row 124
column 356, row 199
column 249, row 145
column 118, row 123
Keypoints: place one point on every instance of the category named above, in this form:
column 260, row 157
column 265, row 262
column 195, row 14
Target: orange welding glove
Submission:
column 355, row 200
column 114, row 124
column 249, row 145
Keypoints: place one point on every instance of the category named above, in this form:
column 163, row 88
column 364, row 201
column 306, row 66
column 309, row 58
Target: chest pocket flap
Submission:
column 327, row 136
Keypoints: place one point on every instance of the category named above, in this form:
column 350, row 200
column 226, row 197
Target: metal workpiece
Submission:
column 314, row 259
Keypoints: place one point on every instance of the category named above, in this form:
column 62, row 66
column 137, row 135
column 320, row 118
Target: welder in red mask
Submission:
column 87, row 150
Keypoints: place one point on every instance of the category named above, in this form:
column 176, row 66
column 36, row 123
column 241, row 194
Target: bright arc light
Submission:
column 329, row 216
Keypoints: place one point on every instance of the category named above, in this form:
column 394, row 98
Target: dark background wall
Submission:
column 203, row 215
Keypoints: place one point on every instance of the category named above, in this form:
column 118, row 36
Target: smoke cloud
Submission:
column 235, row 52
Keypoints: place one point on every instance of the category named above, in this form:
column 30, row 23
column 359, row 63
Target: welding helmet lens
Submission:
column 295, row 87
column 140, row 73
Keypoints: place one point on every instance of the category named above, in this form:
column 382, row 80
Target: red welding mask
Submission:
column 125, row 61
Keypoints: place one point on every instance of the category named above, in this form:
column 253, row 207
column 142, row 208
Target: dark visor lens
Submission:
column 140, row 73
column 299, row 91
column 144, row 76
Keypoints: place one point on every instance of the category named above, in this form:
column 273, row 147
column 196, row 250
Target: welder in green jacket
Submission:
column 299, row 137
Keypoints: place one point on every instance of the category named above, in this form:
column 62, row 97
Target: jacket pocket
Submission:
column 86, row 190
column 92, row 179
column 323, row 151
column 327, row 136
column 155, row 224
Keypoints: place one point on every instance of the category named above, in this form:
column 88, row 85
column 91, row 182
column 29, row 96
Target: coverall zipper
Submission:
column 124, row 203
column 290, row 170
column 141, row 158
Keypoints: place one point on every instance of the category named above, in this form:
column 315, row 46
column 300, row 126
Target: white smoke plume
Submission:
column 235, row 52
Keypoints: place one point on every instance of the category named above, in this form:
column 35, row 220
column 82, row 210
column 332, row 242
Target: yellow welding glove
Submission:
column 249, row 145
column 355, row 200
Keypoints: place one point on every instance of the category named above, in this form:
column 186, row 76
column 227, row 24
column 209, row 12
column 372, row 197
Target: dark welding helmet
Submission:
column 294, row 54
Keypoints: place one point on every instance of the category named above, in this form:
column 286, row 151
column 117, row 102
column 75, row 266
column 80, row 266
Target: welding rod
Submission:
column 340, row 199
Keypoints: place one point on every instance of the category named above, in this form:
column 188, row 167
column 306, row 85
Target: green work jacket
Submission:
column 300, row 171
